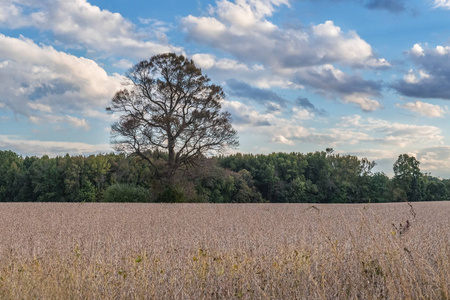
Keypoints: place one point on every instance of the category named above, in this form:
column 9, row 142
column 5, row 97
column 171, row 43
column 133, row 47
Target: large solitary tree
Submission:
column 168, row 106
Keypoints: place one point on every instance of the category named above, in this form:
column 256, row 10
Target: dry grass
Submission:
column 210, row 251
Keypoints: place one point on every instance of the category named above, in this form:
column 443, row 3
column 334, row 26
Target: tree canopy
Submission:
column 408, row 178
column 168, row 106
column 319, row 177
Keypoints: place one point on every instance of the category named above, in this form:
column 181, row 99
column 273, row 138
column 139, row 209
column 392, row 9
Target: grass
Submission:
column 210, row 251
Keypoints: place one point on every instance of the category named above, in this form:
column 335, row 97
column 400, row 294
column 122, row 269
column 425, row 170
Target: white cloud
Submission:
column 52, row 148
column 282, row 129
column 424, row 109
column 386, row 139
column 247, row 13
column 268, row 125
column 442, row 50
column 293, row 58
column 435, row 160
column 78, row 23
column 40, row 79
column 395, row 134
column 412, row 78
column 337, row 137
column 376, row 154
column 431, row 79
column 332, row 45
column 222, row 69
column 241, row 28
column 71, row 121
column 332, row 82
column 417, row 50
column 282, row 140
column 442, row 3
column 40, row 107
column 208, row 61
column 243, row 114
column 364, row 102
column 123, row 64
column 204, row 61
column 76, row 122
column 302, row 114
column 99, row 114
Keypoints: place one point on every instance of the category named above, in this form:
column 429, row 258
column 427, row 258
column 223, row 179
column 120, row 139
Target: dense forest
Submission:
column 319, row 177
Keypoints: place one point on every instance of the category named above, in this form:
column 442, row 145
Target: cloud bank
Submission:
column 39, row 81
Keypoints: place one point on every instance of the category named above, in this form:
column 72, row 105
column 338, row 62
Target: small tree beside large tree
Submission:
column 168, row 106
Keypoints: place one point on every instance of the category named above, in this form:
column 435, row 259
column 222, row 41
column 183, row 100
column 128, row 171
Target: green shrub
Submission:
column 171, row 195
column 122, row 192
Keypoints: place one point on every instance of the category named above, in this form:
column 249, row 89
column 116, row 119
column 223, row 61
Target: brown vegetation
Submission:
column 211, row 251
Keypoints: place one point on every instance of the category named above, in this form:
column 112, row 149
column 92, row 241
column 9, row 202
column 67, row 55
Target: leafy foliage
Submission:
column 125, row 192
column 319, row 177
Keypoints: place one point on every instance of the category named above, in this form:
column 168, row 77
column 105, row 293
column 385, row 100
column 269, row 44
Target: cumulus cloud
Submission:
column 242, row 29
column 431, row 79
column 78, row 23
column 424, row 109
column 38, row 80
column 330, row 81
column 285, row 57
column 417, row 50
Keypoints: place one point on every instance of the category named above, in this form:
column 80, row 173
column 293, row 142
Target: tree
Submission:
column 378, row 188
column 408, row 178
column 169, row 106
column 10, row 169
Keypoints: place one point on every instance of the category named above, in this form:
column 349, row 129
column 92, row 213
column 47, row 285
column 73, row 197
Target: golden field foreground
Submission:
column 224, row 251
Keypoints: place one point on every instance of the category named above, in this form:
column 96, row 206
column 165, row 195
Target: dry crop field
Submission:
column 229, row 251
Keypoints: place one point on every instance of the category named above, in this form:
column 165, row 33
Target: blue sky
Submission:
column 366, row 77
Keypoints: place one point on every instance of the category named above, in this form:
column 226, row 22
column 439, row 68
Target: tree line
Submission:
column 318, row 177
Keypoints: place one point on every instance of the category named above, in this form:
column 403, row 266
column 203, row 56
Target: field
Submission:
column 211, row 251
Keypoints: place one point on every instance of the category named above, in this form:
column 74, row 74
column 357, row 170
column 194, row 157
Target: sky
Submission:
column 369, row 78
